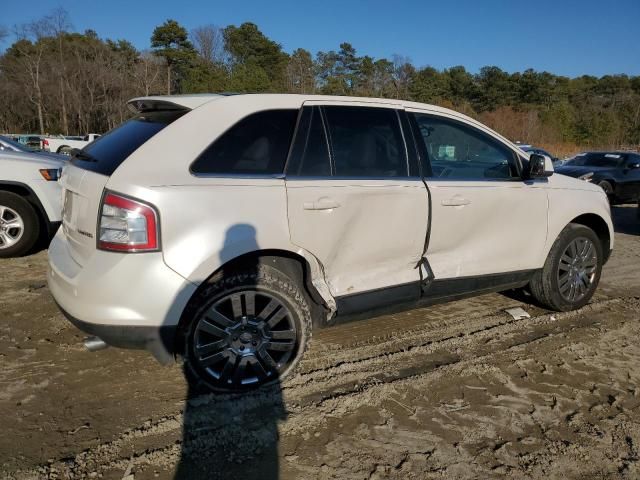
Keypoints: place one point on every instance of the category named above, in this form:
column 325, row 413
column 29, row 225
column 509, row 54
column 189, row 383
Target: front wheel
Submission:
column 250, row 329
column 19, row 226
column 608, row 189
column 64, row 150
column 572, row 270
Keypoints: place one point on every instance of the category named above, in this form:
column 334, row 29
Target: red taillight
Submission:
column 127, row 225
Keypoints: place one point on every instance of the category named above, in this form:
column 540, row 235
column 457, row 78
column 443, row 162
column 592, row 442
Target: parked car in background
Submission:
column 539, row 151
column 617, row 173
column 34, row 142
column 30, row 198
column 64, row 145
column 11, row 145
column 224, row 228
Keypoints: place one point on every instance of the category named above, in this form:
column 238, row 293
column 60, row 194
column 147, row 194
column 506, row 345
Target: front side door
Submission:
column 630, row 184
column 485, row 218
column 351, row 200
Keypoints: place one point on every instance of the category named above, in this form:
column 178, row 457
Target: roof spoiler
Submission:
column 141, row 105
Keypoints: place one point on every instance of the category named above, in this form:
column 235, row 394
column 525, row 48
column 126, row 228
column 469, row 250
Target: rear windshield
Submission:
column 106, row 153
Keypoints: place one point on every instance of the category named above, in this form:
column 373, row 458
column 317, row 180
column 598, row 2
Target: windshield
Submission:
column 15, row 145
column 106, row 153
column 610, row 160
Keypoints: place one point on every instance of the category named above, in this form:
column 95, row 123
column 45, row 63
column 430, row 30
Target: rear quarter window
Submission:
column 105, row 154
column 256, row 145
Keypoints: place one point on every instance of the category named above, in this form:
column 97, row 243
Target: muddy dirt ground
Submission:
column 460, row 390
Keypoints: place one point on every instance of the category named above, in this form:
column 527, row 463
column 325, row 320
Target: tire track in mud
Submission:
column 330, row 385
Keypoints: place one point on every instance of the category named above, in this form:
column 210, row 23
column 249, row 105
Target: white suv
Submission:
column 224, row 228
column 29, row 201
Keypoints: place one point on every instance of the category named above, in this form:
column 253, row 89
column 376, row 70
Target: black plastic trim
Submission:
column 407, row 296
column 381, row 297
column 127, row 336
column 420, row 153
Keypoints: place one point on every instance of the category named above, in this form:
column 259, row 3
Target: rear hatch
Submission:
column 85, row 177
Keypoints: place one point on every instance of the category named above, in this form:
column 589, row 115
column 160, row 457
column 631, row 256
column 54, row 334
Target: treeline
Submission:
column 58, row 81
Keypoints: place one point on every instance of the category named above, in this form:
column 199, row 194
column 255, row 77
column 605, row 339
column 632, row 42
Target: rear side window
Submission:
column 107, row 152
column 366, row 142
column 257, row 144
column 310, row 151
column 610, row 160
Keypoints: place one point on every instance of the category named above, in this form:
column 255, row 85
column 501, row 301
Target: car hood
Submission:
column 46, row 161
column 577, row 170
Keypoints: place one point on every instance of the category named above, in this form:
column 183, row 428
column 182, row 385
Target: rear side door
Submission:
column 355, row 201
column 485, row 218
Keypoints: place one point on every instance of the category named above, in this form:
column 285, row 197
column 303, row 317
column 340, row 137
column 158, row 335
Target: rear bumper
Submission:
column 128, row 300
column 158, row 340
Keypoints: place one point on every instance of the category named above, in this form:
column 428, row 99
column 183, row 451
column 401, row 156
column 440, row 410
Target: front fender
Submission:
column 565, row 205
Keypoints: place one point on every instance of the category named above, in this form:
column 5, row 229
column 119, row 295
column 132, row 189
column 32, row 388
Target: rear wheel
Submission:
column 19, row 226
column 572, row 270
column 250, row 328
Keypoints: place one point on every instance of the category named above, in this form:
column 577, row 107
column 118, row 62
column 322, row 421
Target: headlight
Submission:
column 50, row 174
column 586, row 177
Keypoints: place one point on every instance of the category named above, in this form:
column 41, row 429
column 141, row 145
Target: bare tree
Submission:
column 149, row 72
column 208, row 41
column 31, row 47
column 57, row 24
column 300, row 72
column 402, row 71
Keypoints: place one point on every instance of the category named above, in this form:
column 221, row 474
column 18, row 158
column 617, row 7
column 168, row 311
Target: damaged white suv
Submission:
column 224, row 228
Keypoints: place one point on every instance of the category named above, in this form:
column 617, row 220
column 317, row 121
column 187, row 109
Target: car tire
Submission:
column 64, row 150
column 19, row 225
column 249, row 329
column 572, row 270
column 607, row 187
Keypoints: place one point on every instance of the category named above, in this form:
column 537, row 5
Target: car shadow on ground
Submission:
column 235, row 435
column 626, row 219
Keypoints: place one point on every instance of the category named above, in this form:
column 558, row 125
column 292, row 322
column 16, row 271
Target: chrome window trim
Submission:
column 393, row 179
column 260, row 176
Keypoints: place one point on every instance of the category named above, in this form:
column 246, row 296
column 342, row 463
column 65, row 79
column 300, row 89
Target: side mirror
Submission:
column 539, row 166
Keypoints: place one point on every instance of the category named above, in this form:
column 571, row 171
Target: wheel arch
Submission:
column 26, row 192
column 299, row 266
column 598, row 224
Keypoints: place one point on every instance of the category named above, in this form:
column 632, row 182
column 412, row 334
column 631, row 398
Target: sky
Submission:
column 565, row 37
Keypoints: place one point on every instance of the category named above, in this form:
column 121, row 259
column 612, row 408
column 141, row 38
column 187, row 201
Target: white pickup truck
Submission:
column 64, row 145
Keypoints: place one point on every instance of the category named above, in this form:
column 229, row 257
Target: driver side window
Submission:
column 459, row 151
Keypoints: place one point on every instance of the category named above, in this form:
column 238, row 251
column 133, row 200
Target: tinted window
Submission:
column 610, row 160
column 460, row 151
column 257, row 144
column 605, row 160
column 106, row 153
column 366, row 142
column 310, row 152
